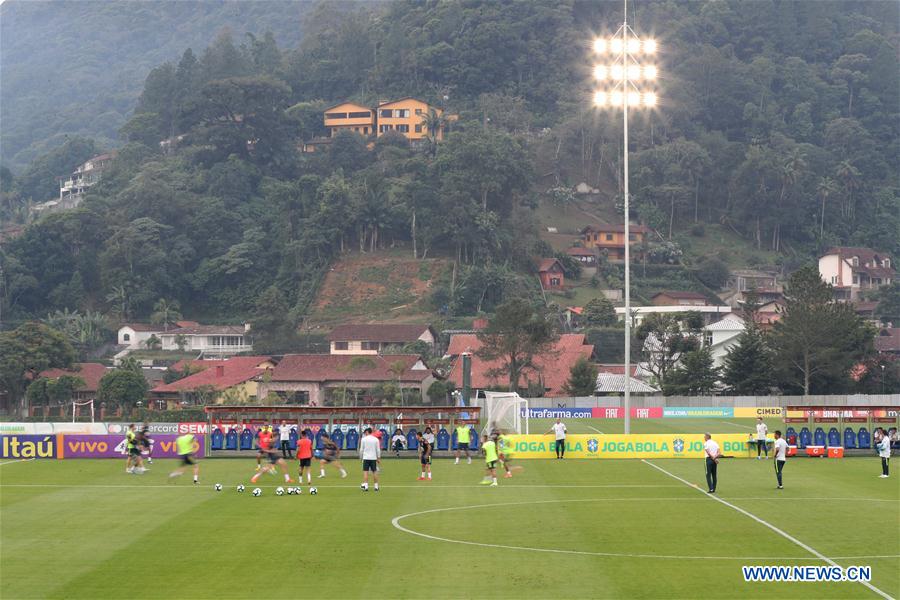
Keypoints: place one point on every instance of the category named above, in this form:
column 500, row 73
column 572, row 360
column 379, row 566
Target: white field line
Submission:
column 423, row 486
column 595, row 429
column 396, row 523
column 780, row 532
column 739, row 425
column 9, row 462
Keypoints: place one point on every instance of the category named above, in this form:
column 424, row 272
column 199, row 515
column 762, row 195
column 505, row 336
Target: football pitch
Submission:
column 557, row 529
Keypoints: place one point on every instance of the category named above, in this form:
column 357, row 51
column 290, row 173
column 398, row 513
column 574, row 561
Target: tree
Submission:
column 439, row 391
column 515, row 336
column 694, row 376
column 153, row 342
column 818, row 340
column 666, row 338
column 28, row 350
column 181, row 341
column 888, row 309
column 749, row 369
column 713, row 273
column 582, row 378
column 123, row 386
column 165, row 312
column 599, row 312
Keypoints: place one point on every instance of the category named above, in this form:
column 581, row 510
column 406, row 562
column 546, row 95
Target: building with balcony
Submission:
column 84, row 176
column 349, row 116
column 372, row 338
column 208, row 341
column 853, row 270
column 407, row 116
column 611, row 238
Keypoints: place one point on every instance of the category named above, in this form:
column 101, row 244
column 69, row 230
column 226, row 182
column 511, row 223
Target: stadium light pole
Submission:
column 621, row 77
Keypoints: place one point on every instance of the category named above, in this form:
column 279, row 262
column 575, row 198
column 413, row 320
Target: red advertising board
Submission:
column 617, row 412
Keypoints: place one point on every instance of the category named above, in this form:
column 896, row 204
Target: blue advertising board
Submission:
column 558, row 413
column 698, row 412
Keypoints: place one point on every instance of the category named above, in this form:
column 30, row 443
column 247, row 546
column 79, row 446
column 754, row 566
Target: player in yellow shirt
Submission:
column 184, row 444
column 463, row 434
column 489, row 447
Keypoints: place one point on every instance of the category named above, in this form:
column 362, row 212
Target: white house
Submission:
column 851, row 270
column 709, row 313
column 721, row 336
column 205, row 340
column 372, row 338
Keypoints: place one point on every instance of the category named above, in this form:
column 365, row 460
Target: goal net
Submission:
column 505, row 411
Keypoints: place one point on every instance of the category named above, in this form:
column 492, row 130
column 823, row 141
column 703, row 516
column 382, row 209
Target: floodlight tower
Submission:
column 628, row 82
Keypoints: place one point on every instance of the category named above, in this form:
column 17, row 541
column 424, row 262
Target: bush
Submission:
column 698, row 230
column 712, row 272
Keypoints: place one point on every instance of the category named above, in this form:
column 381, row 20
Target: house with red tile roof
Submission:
column 888, row 341
column 679, row 298
column 234, row 380
column 205, row 340
column 852, row 270
column 372, row 338
column 89, row 373
column 318, row 379
column 551, row 370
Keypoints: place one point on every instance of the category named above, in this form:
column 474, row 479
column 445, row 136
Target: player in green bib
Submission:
column 505, row 452
column 133, row 464
column 184, row 445
column 489, row 447
column 463, row 434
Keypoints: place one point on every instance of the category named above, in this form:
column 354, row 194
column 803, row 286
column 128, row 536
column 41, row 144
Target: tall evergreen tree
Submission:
column 748, row 368
column 696, row 375
column 582, row 378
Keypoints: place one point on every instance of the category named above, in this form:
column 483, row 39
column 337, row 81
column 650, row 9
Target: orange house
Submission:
column 612, row 238
column 551, row 274
column 406, row 116
column 349, row 116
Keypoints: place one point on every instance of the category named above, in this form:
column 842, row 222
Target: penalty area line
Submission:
column 9, row 462
column 780, row 532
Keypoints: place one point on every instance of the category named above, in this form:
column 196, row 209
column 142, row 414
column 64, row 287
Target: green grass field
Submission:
column 573, row 528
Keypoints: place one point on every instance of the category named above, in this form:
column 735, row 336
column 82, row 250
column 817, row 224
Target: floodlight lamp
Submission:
column 649, row 99
column 600, row 46
column 615, row 45
column 600, row 99
column 650, row 72
column 649, row 46
column 617, row 72
column 634, row 45
column 615, row 98
column 601, row 72
column 634, row 72
column 634, row 99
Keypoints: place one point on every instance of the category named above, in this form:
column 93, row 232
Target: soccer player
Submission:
column 271, row 452
column 489, row 448
column 134, row 464
column 559, row 430
column 284, row 436
column 504, row 452
column 331, row 454
column 146, row 442
column 462, row 443
column 425, row 449
column 263, row 440
column 370, row 453
column 184, row 444
column 304, row 455
column 883, row 443
column 761, row 431
column 711, row 448
column 780, row 451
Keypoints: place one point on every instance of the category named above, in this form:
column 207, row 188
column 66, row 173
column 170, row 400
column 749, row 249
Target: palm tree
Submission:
column 827, row 187
column 165, row 312
column 434, row 123
column 849, row 176
column 119, row 298
column 790, row 170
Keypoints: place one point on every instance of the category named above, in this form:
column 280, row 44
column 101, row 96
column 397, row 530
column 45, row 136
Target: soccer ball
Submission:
column 240, row 488
column 290, row 491
column 257, row 492
column 218, row 487
column 279, row 491
column 298, row 490
column 313, row 491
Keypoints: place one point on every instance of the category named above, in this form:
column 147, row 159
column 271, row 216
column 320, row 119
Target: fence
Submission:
column 665, row 401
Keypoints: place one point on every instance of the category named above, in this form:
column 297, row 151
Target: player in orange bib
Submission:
column 264, row 440
column 304, row 455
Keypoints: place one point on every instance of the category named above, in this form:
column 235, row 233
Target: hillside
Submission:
column 384, row 286
column 77, row 67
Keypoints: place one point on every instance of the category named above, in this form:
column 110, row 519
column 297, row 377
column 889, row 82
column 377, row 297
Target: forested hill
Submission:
column 77, row 66
column 777, row 120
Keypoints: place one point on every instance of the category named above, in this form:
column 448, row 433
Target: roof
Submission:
column 91, row 373
column 579, row 251
column 340, row 367
column 864, row 306
column 575, row 309
column 207, row 330
column 619, row 369
column 233, row 371
column 608, row 383
column 378, row 332
column 380, row 104
column 618, row 228
column 729, row 323
column 141, row 326
column 866, row 256
column 187, row 323
column 348, row 104
column 888, row 340
column 553, row 367
column 681, row 295
column 547, row 263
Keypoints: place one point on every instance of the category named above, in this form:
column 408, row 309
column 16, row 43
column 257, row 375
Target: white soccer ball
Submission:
column 290, row 491
column 218, row 487
column 313, row 491
column 257, row 492
column 240, row 488
column 298, row 490
column 279, row 491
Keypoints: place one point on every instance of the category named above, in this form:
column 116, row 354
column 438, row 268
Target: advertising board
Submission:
column 689, row 445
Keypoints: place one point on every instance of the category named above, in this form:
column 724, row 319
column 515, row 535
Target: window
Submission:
column 403, row 128
column 335, row 115
column 609, row 237
column 854, row 261
column 418, row 129
column 385, row 128
column 632, row 237
column 126, row 337
column 596, row 237
column 418, row 111
column 834, row 279
column 707, row 338
column 387, row 113
column 370, row 345
column 341, row 345
column 886, row 263
column 554, row 282
column 359, row 115
column 404, row 113
column 366, row 130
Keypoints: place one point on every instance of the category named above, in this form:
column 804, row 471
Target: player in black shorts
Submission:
column 425, row 450
column 145, row 442
column 331, row 455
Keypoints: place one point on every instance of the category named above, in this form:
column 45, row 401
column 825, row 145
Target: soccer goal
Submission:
column 504, row 410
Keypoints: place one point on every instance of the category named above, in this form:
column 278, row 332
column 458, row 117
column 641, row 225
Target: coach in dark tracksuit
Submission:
column 712, row 462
